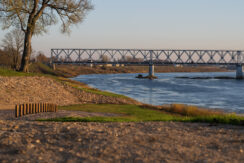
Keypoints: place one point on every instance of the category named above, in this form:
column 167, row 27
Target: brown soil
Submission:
column 23, row 140
column 19, row 90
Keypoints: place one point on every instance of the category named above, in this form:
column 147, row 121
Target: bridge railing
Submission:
column 141, row 56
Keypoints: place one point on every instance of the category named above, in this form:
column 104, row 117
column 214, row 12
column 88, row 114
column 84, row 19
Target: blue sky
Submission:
column 153, row 24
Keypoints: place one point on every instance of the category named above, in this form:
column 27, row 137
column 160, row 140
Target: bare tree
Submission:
column 13, row 43
column 34, row 16
column 5, row 60
column 105, row 58
column 42, row 58
column 133, row 59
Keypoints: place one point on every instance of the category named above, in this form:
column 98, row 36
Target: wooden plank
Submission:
column 36, row 108
column 16, row 110
column 30, row 108
column 24, row 109
column 27, row 109
column 40, row 109
column 33, row 109
column 20, row 110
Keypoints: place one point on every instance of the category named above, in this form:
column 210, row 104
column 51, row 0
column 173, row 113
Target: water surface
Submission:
column 211, row 93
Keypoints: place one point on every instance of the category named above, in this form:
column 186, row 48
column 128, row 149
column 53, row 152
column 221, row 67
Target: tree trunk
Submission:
column 27, row 52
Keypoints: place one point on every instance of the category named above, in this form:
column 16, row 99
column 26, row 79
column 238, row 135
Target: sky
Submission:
column 153, row 24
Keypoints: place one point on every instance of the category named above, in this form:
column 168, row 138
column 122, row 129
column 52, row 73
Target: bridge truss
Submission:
column 145, row 57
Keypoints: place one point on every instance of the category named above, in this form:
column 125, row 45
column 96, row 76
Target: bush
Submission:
column 5, row 59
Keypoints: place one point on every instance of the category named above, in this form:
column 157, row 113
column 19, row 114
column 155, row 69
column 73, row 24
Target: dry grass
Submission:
column 188, row 110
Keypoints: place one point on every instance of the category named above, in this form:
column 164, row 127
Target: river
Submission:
column 224, row 94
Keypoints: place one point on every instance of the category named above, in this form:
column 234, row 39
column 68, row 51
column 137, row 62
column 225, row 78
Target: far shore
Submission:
column 73, row 70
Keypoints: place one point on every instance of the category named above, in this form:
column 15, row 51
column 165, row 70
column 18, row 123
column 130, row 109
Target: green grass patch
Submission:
column 126, row 112
column 9, row 72
column 134, row 113
column 36, row 69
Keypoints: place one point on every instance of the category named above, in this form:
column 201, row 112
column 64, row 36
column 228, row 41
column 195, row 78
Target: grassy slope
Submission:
column 43, row 69
column 127, row 113
column 39, row 69
column 8, row 72
column 134, row 113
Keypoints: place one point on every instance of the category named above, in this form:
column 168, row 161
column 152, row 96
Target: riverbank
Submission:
column 25, row 139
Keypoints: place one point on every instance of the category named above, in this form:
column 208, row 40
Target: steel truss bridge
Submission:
column 148, row 57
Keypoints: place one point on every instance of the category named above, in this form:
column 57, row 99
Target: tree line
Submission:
column 11, row 51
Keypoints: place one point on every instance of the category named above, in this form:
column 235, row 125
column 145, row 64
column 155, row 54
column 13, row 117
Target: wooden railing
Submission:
column 24, row 109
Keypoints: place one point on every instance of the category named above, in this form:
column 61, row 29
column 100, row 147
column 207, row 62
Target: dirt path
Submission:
column 10, row 115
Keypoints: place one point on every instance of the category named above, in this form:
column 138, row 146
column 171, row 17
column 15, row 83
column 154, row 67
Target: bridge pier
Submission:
column 151, row 70
column 239, row 73
column 53, row 66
